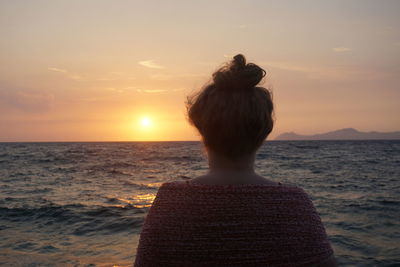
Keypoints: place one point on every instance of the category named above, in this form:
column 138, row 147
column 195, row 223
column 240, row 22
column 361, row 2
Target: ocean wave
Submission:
column 183, row 158
column 307, row 146
column 140, row 185
column 77, row 219
column 111, row 226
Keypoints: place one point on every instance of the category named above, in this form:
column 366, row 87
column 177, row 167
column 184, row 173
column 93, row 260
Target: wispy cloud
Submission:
column 26, row 100
column 116, row 76
column 342, row 49
column 150, row 64
column 161, row 77
column 151, row 90
column 113, row 89
column 58, row 70
column 289, row 66
column 165, row 77
column 70, row 75
column 110, row 76
column 325, row 72
column 116, row 73
column 107, row 79
column 243, row 26
column 120, row 89
column 193, row 75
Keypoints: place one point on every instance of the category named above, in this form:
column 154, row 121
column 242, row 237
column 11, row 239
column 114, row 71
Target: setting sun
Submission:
column 146, row 122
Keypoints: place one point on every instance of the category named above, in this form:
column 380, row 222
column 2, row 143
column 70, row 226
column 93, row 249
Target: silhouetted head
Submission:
column 233, row 114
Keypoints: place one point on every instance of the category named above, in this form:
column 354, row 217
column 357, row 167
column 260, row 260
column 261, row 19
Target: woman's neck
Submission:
column 218, row 164
column 224, row 170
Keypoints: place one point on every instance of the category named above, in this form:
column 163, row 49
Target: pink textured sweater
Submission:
column 193, row 224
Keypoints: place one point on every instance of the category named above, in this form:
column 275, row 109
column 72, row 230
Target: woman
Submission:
column 231, row 216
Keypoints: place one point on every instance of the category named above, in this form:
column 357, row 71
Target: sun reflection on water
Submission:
column 141, row 200
column 147, row 199
column 154, row 185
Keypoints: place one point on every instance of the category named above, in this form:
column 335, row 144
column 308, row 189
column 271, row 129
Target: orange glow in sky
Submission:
column 100, row 70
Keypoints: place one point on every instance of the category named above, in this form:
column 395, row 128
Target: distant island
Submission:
column 342, row 134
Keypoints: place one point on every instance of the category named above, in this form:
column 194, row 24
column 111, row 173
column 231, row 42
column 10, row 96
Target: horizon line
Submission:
column 170, row 141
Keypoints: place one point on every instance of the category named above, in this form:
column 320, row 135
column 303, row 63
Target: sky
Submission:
column 118, row 70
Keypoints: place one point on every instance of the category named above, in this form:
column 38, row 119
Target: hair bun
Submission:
column 239, row 61
column 238, row 75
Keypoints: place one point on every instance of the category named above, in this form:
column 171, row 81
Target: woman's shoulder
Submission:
column 193, row 185
column 283, row 198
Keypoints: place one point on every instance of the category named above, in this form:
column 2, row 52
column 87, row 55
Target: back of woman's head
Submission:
column 233, row 114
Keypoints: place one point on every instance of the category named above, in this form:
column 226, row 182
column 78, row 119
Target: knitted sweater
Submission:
column 192, row 224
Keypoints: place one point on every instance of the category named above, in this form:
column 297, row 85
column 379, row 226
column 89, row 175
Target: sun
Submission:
column 145, row 122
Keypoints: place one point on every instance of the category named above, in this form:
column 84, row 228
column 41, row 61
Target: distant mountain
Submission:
column 342, row 134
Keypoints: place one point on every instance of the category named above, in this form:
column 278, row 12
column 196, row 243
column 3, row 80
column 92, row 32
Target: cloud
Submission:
column 66, row 73
column 120, row 90
column 165, row 77
column 329, row 72
column 107, row 79
column 57, row 70
column 341, row 49
column 91, row 99
column 243, row 26
column 130, row 87
column 193, row 75
column 116, row 76
column 26, row 100
column 312, row 72
column 161, row 77
column 150, row 64
column 290, row 66
column 110, row 76
column 151, row 90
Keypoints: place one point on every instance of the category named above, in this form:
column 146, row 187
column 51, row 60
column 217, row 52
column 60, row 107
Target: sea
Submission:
column 83, row 204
